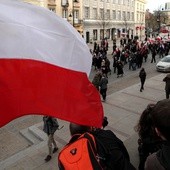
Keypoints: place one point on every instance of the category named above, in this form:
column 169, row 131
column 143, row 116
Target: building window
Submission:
column 65, row 13
column 108, row 33
column 94, row 35
column 76, row 14
column 128, row 16
column 128, row 2
column 132, row 16
column 114, row 1
column 119, row 15
column 86, row 13
column 101, row 13
column 101, row 34
column 124, row 2
column 108, row 14
column 114, row 15
column 132, row 2
column 124, row 15
column 94, row 13
column 119, row 1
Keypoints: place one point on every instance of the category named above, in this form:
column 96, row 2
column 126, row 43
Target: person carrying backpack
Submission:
column 93, row 149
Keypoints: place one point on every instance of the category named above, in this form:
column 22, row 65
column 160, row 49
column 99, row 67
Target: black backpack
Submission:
column 111, row 150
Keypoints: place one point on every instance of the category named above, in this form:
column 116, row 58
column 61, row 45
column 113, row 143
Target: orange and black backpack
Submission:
column 80, row 154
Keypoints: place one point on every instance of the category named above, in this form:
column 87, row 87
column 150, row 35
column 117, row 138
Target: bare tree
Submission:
column 103, row 21
column 126, row 24
column 160, row 18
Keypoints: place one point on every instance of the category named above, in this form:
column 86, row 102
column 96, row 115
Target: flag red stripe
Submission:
column 34, row 87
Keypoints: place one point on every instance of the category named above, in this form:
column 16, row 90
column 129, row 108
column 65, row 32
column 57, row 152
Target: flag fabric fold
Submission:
column 44, row 67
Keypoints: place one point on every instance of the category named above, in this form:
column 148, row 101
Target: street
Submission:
column 130, row 77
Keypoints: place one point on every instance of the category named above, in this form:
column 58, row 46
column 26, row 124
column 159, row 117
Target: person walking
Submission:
column 153, row 51
column 167, row 85
column 142, row 75
column 119, row 69
column 96, row 79
column 50, row 126
column 103, row 86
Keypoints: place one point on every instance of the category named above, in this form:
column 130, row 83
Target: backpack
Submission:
column 80, row 153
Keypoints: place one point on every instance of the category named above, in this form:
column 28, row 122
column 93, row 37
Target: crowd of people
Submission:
column 109, row 152
column 132, row 52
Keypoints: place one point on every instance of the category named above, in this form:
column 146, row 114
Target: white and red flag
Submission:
column 44, row 67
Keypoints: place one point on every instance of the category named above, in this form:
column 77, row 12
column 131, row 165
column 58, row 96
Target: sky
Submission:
column 155, row 4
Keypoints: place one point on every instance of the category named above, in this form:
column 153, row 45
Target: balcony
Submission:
column 78, row 21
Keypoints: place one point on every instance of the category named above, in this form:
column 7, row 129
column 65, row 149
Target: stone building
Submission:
column 98, row 19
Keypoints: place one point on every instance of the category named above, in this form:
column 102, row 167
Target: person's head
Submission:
column 145, row 125
column 161, row 118
column 78, row 129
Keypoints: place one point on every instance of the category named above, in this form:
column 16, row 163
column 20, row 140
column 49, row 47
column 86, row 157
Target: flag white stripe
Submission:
column 70, row 51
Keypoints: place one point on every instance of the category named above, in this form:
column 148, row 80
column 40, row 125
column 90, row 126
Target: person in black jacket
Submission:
column 111, row 150
column 142, row 75
column 167, row 85
column 148, row 141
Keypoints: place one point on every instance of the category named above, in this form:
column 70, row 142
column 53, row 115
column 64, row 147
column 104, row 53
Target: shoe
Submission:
column 48, row 158
column 55, row 150
column 140, row 90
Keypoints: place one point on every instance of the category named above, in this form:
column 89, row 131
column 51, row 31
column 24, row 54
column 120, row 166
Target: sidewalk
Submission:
column 123, row 110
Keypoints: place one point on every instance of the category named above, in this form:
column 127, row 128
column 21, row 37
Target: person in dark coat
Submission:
column 103, row 86
column 96, row 79
column 50, row 126
column 148, row 141
column 161, row 121
column 153, row 51
column 167, row 85
column 111, row 150
column 119, row 69
column 142, row 75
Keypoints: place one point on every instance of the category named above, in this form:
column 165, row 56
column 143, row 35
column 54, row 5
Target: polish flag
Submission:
column 44, row 67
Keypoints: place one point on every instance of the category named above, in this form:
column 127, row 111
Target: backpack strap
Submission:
column 91, row 140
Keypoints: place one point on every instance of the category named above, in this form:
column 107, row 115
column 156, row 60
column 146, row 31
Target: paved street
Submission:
column 24, row 145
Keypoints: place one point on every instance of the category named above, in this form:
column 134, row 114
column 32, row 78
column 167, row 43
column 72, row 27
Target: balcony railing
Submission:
column 78, row 21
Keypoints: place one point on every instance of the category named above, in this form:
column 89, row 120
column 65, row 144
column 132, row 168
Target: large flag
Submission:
column 44, row 67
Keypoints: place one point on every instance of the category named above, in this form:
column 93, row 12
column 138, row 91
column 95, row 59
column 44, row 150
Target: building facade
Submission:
column 98, row 19
column 108, row 19
column 139, row 24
